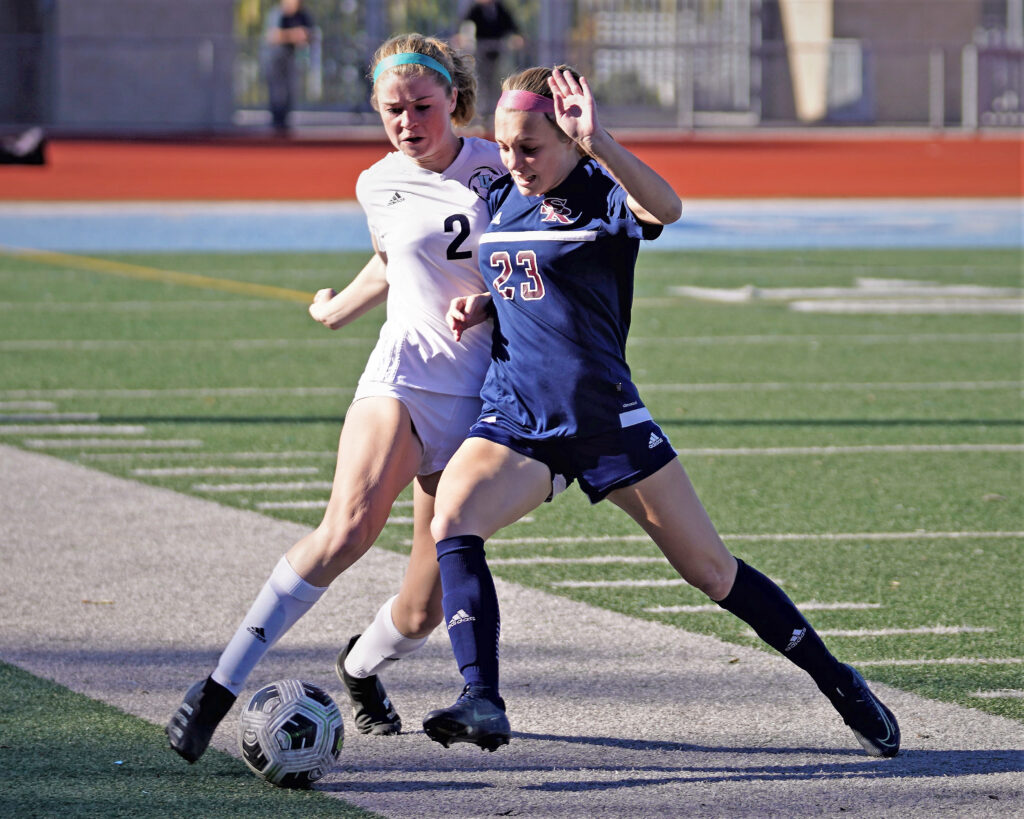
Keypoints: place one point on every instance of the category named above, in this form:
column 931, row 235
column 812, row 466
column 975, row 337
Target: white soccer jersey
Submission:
column 429, row 225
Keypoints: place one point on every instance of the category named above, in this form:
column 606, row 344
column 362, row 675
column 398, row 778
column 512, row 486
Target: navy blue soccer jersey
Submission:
column 560, row 269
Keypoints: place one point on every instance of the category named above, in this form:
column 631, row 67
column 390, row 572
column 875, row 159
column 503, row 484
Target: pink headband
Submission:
column 526, row 101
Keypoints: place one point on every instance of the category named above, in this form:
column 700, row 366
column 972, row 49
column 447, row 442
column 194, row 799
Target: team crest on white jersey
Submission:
column 481, row 180
column 555, row 210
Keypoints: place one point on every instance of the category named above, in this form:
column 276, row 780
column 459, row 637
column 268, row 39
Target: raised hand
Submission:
column 575, row 110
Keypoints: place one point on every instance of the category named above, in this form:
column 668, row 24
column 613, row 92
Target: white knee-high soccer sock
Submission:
column 381, row 643
column 284, row 598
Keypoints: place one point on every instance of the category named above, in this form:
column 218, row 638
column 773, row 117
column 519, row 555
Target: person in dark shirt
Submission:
column 289, row 26
column 496, row 29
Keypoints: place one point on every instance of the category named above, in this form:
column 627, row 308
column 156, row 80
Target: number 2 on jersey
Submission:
column 454, row 247
column 527, row 260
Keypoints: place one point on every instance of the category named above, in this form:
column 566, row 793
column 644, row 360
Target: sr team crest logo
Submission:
column 555, row 210
column 481, row 180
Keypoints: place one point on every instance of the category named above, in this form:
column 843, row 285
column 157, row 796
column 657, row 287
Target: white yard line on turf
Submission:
column 894, row 632
column 843, row 339
column 71, row 429
column 99, row 345
column 98, row 443
column 810, row 605
column 748, row 386
column 851, row 450
column 777, row 536
column 194, row 471
column 1000, row 694
column 267, row 486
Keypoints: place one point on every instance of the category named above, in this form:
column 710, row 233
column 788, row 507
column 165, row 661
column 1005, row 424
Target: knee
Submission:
column 418, row 621
column 715, row 579
column 443, row 524
column 344, row 541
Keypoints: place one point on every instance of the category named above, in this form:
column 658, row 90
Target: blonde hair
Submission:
column 459, row 66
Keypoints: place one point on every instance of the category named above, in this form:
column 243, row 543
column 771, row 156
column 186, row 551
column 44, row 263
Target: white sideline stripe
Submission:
column 568, row 561
column 853, row 450
column 27, row 405
column 49, row 416
column 173, row 471
column 810, row 605
column 891, row 632
column 268, row 486
column 612, row 584
column 539, row 236
column 944, row 661
column 1000, row 694
column 767, row 386
column 819, row 386
column 71, row 429
column 314, row 504
column 844, row 340
column 98, row 443
column 220, row 344
column 974, row 307
column 780, row 536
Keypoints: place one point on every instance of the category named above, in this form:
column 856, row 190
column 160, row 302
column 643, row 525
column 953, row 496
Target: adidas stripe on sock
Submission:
column 766, row 608
column 284, row 598
column 470, row 606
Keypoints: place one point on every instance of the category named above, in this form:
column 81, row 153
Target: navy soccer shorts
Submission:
column 601, row 463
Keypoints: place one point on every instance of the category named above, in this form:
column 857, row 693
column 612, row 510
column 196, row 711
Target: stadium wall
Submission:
column 869, row 164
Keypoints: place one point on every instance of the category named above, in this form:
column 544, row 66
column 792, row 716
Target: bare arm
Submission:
column 467, row 311
column 368, row 289
column 650, row 197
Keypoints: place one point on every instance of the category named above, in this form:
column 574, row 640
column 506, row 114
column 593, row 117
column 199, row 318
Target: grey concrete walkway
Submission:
column 127, row 593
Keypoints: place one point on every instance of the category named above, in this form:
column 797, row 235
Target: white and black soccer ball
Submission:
column 291, row 733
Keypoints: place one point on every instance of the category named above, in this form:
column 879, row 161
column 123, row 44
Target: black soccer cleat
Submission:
column 474, row 717
column 191, row 727
column 371, row 707
column 871, row 722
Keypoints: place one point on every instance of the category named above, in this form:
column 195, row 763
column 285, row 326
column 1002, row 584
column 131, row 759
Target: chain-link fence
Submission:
column 665, row 64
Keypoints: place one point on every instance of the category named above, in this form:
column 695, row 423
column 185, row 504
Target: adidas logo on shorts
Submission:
column 654, row 441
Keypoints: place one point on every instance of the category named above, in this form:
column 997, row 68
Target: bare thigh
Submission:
column 485, row 487
column 666, row 506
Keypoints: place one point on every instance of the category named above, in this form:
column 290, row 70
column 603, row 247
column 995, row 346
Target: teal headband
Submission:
column 410, row 58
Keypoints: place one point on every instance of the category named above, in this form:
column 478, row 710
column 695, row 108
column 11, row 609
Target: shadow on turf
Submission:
column 909, row 764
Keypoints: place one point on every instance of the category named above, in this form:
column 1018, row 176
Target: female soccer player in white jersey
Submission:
column 559, row 404
column 415, row 401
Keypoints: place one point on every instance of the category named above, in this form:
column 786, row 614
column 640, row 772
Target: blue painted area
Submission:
column 266, row 227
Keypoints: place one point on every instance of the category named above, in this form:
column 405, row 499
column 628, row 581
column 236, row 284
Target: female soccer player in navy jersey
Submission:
column 416, row 399
column 559, row 405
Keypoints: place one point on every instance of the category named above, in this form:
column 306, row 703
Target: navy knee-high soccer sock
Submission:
column 760, row 603
column 470, row 606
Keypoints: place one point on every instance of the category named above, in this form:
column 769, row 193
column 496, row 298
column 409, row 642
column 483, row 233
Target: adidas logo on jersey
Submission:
column 458, row 618
column 654, row 441
column 794, row 641
column 258, row 633
column 395, row 199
